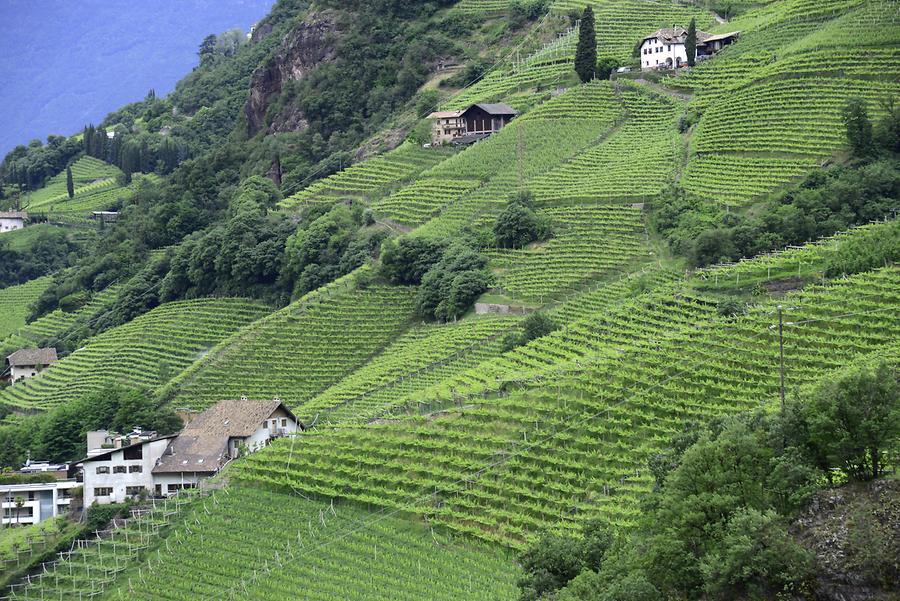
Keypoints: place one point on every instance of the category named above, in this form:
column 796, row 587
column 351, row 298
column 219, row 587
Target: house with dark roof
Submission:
column 470, row 125
column 163, row 465
column 665, row 49
column 28, row 362
column 12, row 220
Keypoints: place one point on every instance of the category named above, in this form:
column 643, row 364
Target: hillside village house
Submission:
column 163, row 465
column 664, row 48
column 39, row 500
column 12, row 220
column 28, row 362
column 470, row 125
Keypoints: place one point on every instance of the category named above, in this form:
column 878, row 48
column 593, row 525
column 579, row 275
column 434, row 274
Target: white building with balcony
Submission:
column 25, row 504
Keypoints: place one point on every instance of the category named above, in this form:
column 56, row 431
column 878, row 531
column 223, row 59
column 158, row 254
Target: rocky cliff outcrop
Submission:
column 854, row 534
column 304, row 48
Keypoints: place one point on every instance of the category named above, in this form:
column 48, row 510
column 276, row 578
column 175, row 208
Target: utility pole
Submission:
column 781, row 353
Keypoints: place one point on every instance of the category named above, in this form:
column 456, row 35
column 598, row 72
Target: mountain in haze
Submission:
column 65, row 64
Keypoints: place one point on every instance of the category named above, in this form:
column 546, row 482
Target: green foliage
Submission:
column 426, row 102
column 523, row 11
column 70, row 183
column 537, row 325
column 864, row 252
column 518, row 225
column 554, row 560
column 731, row 308
column 407, row 260
column 50, row 252
column 690, row 43
column 453, row 284
column 586, row 51
column 829, row 200
column 756, row 559
column 852, row 421
column 605, row 67
column 859, row 127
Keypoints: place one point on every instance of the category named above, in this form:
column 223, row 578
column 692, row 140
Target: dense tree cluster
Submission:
column 51, row 251
column 451, row 275
column 29, row 167
column 60, row 434
column 716, row 525
column 518, row 225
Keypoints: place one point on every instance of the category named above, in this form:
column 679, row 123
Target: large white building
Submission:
column 664, row 48
column 162, row 466
column 12, row 220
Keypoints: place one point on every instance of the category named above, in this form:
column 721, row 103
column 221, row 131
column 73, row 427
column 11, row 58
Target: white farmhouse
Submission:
column 12, row 220
column 164, row 465
column 28, row 362
column 664, row 48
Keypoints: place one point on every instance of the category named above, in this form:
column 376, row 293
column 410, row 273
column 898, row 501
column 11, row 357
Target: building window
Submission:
column 136, row 452
column 119, row 469
column 18, row 513
column 135, row 469
column 103, row 469
column 284, row 422
column 266, row 424
column 133, row 491
column 102, row 491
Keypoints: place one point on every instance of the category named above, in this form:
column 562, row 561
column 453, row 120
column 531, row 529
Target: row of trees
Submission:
column 717, row 524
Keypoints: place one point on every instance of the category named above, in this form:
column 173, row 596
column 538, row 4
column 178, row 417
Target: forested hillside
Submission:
column 618, row 349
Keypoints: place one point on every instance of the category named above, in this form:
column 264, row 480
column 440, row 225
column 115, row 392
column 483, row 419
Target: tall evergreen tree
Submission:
column 70, row 183
column 586, row 52
column 690, row 43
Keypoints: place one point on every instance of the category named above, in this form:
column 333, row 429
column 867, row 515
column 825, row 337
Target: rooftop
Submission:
column 13, row 215
column 203, row 443
column 32, row 356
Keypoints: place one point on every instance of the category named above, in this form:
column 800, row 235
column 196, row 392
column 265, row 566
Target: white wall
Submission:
column 118, row 482
column 177, row 480
column 8, row 225
column 53, row 489
column 659, row 52
column 20, row 372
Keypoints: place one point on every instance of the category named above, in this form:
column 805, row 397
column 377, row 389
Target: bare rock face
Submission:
column 303, row 49
column 854, row 534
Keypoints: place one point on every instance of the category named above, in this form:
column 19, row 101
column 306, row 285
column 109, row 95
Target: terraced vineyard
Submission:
column 305, row 548
column 588, row 242
column 15, row 302
column 493, row 471
column 370, row 177
column 433, row 452
column 621, row 23
column 633, row 163
column 301, row 350
column 521, row 152
column 145, row 352
column 421, row 357
column 417, row 203
column 772, row 103
column 91, row 176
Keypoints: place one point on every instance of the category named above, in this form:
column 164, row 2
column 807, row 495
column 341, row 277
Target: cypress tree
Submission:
column 586, row 52
column 690, row 43
column 70, row 183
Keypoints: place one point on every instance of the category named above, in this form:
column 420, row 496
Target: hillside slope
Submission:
column 436, row 452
